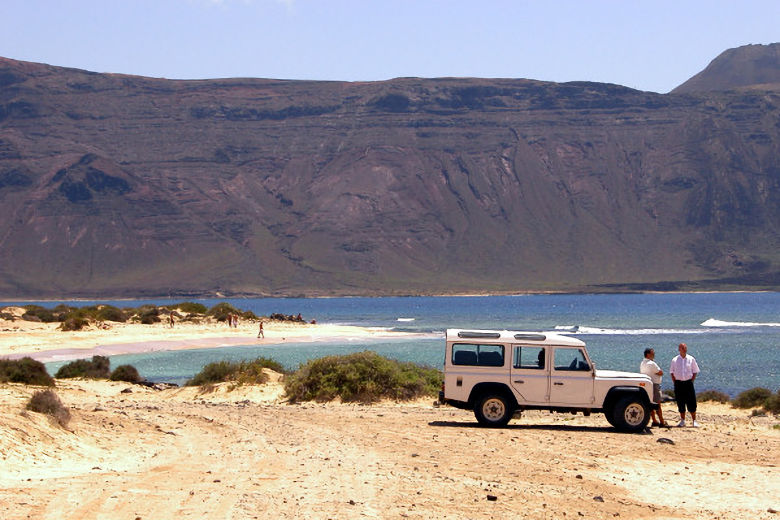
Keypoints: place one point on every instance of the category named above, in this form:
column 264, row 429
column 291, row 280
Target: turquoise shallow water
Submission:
column 735, row 337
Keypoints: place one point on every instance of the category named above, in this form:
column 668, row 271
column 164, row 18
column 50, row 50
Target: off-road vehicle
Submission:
column 500, row 373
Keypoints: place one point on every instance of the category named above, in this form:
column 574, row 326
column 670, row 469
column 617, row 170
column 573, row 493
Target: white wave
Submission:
column 628, row 332
column 567, row 328
column 712, row 322
column 405, row 319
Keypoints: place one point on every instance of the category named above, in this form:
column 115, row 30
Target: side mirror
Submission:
column 593, row 366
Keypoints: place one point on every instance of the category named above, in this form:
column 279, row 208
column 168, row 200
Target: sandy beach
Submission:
column 242, row 453
column 42, row 341
column 132, row 452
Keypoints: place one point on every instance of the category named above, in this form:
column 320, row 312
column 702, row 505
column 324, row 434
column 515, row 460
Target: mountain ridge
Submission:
column 123, row 185
column 745, row 66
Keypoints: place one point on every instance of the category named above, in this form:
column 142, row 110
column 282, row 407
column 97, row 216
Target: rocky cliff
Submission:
column 115, row 185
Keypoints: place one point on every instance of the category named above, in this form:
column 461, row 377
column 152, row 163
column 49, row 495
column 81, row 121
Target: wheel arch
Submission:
column 616, row 392
column 486, row 388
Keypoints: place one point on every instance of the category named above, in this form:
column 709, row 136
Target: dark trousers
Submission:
column 685, row 395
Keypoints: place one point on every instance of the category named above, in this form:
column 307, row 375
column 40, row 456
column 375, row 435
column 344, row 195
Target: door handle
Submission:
column 520, row 381
column 558, row 383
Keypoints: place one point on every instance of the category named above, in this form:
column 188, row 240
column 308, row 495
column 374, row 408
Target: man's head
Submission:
column 683, row 348
column 649, row 353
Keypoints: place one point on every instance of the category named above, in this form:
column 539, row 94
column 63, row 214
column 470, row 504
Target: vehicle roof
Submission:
column 514, row 336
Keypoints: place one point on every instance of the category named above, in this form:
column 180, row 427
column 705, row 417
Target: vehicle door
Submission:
column 571, row 377
column 530, row 373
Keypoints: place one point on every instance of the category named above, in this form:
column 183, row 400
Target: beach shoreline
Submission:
column 45, row 343
column 236, row 298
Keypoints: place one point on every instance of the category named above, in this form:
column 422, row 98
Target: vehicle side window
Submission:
column 570, row 359
column 478, row 355
column 529, row 357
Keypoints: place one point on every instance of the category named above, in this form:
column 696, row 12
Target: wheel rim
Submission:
column 634, row 414
column 494, row 409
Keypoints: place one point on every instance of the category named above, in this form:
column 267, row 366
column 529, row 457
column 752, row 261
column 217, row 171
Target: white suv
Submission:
column 499, row 373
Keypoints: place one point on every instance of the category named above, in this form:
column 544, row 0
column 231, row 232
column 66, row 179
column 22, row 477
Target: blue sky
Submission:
column 651, row 45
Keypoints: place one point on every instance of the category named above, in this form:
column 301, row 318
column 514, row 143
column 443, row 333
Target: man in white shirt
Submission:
column 684, row 370
column 650, row 368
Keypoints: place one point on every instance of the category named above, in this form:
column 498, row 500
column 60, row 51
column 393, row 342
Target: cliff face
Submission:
column 119, row 185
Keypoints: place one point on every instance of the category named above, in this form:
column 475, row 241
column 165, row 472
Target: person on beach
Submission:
column 650, row 368
column 170, row 318
column 684, row 370
column 260, row 333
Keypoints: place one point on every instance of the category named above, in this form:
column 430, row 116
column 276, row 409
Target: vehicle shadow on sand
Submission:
column 521, row 427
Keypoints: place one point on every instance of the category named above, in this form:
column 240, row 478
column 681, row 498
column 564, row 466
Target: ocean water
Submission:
column 735, row 337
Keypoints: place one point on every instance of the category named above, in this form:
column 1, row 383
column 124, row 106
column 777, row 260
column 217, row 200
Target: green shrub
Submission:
column 73, row 324
column 221, row 310
column 190, row 307
column 46, row 401
column 149, row 314
column 215, row 372
column 713, row 395
column 63, row 309
column 753, row 398
column 126, row 373
column 772, row 404
column 85, row 313
column 251, row 372
column 243, row 372
column 38, row 313
column 249, row 315
column 110, row 313
column 98, row 368
column 26, row 371
column 361, row 377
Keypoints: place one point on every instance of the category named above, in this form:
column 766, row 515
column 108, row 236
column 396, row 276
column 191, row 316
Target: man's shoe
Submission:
column 655, row 424
column 695, row 424
column 681, row 424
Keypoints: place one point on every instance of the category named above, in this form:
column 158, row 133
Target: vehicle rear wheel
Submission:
column 630, row 414
column 493, row 410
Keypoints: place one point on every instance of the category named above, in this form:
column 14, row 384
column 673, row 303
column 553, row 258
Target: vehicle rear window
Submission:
column 476, row 354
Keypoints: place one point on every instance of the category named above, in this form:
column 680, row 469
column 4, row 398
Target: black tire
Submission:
column 493, row 410
column 630, row 414
column 609, row 414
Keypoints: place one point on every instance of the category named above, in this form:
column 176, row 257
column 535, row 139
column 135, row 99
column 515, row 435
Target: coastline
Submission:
column 43, row 342
column 246, row 296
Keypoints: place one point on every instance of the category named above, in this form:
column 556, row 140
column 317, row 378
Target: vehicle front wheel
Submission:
column 493, row 410
column 630, row 414
column 610, row 415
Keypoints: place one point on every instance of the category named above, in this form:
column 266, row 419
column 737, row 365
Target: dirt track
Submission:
column 244, row 454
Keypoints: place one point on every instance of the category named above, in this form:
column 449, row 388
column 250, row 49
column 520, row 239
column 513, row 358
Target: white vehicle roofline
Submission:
column 514, row 336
